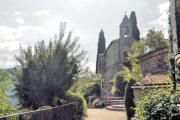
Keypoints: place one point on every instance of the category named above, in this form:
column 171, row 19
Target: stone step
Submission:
column 114, row 102
column 116, row 108
column 115, row 98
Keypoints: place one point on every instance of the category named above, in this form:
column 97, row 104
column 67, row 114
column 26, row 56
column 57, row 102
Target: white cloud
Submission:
column 20, row 20
column 43, row 13
column 6, row 12
column 162, row 20
column 17, row 13
column 10, row 39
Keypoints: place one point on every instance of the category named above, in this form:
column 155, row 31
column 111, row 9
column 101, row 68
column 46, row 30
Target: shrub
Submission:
column 119, row 85
column 93, row 89
column 79, row 105
column 159, row 105
column 92, row 98
column 129, row 100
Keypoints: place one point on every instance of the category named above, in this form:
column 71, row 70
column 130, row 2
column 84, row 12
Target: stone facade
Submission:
column 117, row 51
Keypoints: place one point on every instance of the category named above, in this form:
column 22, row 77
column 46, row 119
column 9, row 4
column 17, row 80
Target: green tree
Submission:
column 5, row 107
column 154, row 40
column 135, row 30
column 48, row 71
column 101, row 47
column 129, row 99
column 138, row 48
column 101, row 43
column 131, row 76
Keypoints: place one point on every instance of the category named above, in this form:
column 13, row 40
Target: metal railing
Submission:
column 63, row 112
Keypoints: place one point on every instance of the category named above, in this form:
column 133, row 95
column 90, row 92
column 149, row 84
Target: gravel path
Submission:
column 103, row 114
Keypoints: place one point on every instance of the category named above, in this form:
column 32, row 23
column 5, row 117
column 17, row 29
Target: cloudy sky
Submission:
column 27, row 21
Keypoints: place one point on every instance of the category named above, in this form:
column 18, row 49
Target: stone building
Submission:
column 108, row 62
column 154, row 64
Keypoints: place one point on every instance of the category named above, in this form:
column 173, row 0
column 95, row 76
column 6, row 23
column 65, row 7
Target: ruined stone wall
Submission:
column 154, row 62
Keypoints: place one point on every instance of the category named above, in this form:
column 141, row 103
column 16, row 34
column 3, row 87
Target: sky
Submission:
column 26, row 22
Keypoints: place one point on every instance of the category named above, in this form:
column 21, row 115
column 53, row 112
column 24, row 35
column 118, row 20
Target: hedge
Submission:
column 92, row 90
column 119, row 85
column 79, row 105
column 159, row 105
column 129, row 100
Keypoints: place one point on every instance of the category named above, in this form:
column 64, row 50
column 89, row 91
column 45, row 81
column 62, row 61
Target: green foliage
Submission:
column 48, row 71
column 5, row 85
column 129, row 100
column 134, row 73
column 92, row 90
column 85, row 81
column 119, row 85
column 138, row 48
column 154, row 39
column 79, row 105
column 87, row 85
column 92, row 98
column 159, row 105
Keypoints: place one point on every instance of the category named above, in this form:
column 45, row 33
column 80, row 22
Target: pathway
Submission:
column 104, row 114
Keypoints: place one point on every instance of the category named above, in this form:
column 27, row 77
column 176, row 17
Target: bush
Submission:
column 129, row 100
column 97, row 103
column 159, row 105
column 94, row 89
column 92, row 98
column 79, row 105
column 119, row 85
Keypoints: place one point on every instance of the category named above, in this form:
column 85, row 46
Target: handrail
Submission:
column 36, row 111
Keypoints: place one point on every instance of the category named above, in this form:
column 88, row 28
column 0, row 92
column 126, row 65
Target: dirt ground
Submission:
column 103, row 114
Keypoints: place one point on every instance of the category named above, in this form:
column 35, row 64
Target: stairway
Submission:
column 115, row 103
column 111, row 102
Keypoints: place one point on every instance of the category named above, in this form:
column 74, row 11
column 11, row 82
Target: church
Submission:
column 109, row 59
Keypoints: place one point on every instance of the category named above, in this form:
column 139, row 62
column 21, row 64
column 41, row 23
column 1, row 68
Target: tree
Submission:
column 129, row 99
column 135, row 30
column 131, row 76
column 154, row 40
column 101, row 47
column 138, row 48
column 119, row 85
column 101, row 43
column 5, row 107
column 48, row 71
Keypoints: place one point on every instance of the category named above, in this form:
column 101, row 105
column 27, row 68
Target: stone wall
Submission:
column 112, row 60
column 153, row 62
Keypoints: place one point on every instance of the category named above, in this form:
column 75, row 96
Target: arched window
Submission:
column 126, row 31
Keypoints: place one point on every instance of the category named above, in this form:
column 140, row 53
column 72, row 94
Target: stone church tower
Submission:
column 108, row 62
